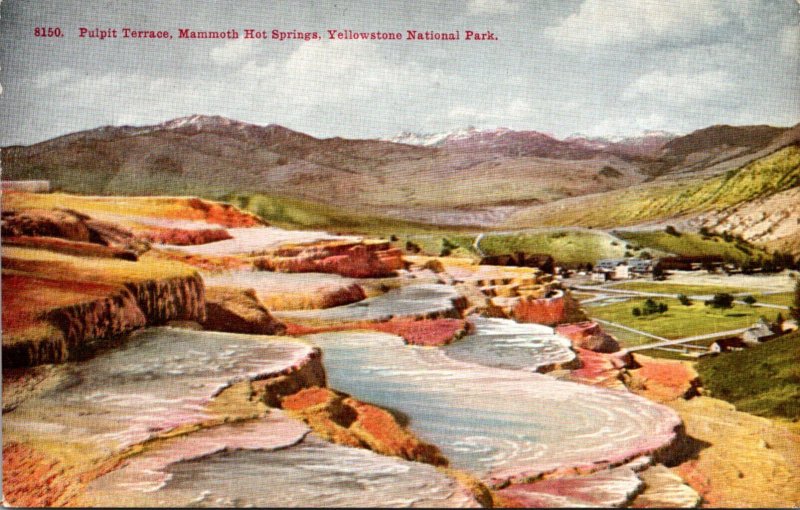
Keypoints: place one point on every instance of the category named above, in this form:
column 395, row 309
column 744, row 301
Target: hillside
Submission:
column 764, row 380
column 668, row 198
column 475, row 178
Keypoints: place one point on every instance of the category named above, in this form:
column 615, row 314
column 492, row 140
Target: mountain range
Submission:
column 489, row 178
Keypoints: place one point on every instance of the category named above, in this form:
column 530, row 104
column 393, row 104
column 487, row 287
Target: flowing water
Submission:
column 311, row 473
column 504, row 343
column 161, row 378
column 494, row 422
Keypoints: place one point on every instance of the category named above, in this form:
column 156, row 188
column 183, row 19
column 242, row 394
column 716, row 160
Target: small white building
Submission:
column 600, row 275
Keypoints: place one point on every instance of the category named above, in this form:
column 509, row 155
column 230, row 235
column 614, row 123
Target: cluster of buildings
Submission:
column 621, row 269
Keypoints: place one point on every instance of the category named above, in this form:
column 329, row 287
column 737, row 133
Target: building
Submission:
column 727, row 345
column 759, row 332
column 691, row 263
column 640, row 266
column 540, row 261
column 618, row 268
column 600, row 275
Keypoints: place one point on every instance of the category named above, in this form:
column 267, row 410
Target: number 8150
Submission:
column 48, row 32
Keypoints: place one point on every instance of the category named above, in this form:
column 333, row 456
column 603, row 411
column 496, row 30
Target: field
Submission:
column 677, row 288
column 679, row 321
column 763, row 380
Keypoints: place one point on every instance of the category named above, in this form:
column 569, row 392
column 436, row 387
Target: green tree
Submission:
column 684, row 299
column 750, row 300
column 794, row 310
column 721, row 300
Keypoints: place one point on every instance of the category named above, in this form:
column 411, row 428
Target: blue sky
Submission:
column 598, row 67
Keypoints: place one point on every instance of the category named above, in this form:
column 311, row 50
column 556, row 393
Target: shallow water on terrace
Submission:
column 157, row 380
column 313, row 473
column 267, row 281
column 504, row 343
column 408, row 301
column 490, row 421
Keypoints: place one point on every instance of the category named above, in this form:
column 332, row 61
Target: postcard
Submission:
column 462, row 253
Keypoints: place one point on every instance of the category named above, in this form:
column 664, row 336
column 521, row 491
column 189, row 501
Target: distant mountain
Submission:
column 527, row 143
column 450, row 178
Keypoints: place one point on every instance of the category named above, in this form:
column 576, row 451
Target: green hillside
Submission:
column 763, row 380
column 774, row 173
column 691, row 244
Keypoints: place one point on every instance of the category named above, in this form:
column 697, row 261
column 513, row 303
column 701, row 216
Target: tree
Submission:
column 658, row 272
column 721, row 300
column 794, row 310
column 672, row 231
column 777, row 326
column 637, row 312
column 684, row 299
column 750, row 300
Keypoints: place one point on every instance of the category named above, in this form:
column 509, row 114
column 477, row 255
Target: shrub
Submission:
column 637, row 312
column 672, row 231
column 750, row 300
column 684, row 299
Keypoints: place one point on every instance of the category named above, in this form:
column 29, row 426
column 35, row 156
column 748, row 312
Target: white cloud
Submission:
column 498, row 114
column 482, row 7
column 618, row 22
column 235, row 51
column 53, row 78
column 680, row 88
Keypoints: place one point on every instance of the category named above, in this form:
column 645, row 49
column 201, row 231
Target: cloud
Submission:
column 483, row 7
column 53, row 78
column 680, row 88
column 235, row 51
column 646, row 22
column 499, row 113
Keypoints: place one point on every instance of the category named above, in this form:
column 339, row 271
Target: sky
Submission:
column 594, row 67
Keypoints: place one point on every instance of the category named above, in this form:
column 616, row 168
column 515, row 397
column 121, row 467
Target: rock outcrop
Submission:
column 589, row 335
column 77, row 248
column 553, row 310
column 69, row 225
column 180, row 298
column 342, row 419
column 85, row 325
column 425, row 332
column 184, row 237
column 239, row 311
column 352, row 259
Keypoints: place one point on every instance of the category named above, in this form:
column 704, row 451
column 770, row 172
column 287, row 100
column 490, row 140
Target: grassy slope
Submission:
column 776, row 172
column 690, row 244
column 763, row 380
column 297, row 213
